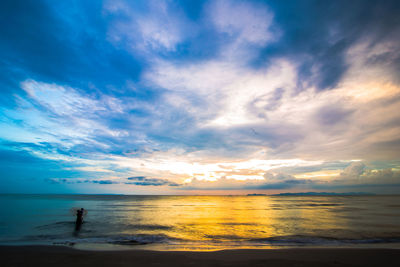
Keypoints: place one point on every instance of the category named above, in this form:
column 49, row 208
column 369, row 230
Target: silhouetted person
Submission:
column 79, row 219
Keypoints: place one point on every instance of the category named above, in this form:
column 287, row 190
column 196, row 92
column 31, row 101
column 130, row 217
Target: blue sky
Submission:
column 199, row 97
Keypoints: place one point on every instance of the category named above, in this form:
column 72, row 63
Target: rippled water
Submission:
column 201, row 222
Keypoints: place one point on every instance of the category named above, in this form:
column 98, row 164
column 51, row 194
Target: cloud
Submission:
column 59, row 99
column 243, row 22
column 68, row 119
column 268, row 102
column 57, row 180
column 354, row 170
column 357, row 173
column 183, row 166
column 354, row 175
column 333, row 114
column 249, row 93
column 233, row 184
column 138, row 178
column 319, row 42
column 144, row 181
column 80, row 181
column 160, row 26
column 102, row 182
column 64, row 44
column 271, row 176
column 219, row 104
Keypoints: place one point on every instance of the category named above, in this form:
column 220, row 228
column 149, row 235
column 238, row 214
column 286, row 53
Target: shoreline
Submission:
column 66, row 256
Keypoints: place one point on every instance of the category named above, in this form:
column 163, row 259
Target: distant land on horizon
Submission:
column 316, row 194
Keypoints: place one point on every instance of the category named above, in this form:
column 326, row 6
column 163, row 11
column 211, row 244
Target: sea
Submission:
column 201, row 223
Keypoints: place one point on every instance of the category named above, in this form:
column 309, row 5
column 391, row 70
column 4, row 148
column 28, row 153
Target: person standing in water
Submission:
column 79, row 219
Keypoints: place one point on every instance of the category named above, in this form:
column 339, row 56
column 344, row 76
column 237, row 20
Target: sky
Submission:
column 199, row 97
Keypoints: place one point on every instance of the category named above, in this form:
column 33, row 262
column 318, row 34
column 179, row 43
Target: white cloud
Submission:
column 160, row 27
column 188, row 166
column 243, row 27
column 354, row 170
column 244, row 21
column 226, row 88
column 359, row 173
column 61, row 115
column 342, row 123
column 61, row 100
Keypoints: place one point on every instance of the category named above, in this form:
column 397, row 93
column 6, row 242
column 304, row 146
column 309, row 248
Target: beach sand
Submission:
column 64, row 256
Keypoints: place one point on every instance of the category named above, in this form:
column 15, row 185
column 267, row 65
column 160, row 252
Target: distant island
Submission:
column 316, row 194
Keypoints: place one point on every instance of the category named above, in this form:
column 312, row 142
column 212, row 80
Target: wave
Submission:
column 120, row 226
column 56, row 225
column 322, row 240
column 139, row 239
column 145, row 227
column 214, row 241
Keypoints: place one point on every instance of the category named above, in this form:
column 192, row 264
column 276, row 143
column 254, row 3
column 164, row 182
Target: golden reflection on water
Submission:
column 203, row 222
column 232, row 220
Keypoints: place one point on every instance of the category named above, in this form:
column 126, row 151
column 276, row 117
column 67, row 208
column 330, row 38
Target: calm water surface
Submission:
column 201, row 222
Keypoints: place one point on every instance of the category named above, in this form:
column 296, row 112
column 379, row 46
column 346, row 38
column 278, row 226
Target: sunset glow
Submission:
column 177, row 97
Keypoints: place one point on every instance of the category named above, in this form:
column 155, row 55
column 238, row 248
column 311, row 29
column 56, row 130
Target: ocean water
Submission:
column 201, row 222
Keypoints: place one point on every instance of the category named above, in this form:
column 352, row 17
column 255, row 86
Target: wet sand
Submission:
column 64, row 256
